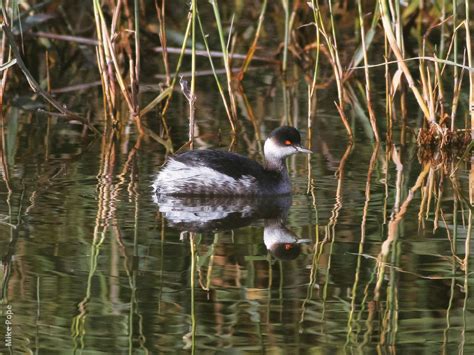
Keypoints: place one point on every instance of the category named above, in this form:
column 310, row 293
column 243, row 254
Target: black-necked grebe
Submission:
column 213, row 172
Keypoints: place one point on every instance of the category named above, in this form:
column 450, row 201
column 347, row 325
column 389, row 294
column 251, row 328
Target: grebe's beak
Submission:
column 300, row 149
column 303, row 241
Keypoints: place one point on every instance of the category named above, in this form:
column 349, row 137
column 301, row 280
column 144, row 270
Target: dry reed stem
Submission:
column 166, row 93
column 344, row 119
column 312, row 105
column 427, row 58
column 335, row 63
column 3, row 58
column 439, row 84
column 470, row 61
column 398, row 54
column 335, row 55
column 191, row 100
column 4, row 158
column 175, row 77
column 456, row 96
column 373, row 120
column 217, row 54
column 106, row 43
column 4, row 68
column 103, row 61
column 160, row 14
column 109, row 95
column 35, row 86
column 136, row 76
column 253, row 46
column 67, row 38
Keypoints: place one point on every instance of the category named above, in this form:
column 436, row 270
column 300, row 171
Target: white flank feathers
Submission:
column 179, row 178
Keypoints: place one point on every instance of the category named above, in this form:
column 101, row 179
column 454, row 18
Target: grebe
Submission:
column 214, row 172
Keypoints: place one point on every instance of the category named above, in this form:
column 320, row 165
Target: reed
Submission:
column 5, row 57
column 470, row 60
column 160, row 14
column 455, row 68
column 253, row 46
column 119, row 40
column 335, row 63
column 316, row 19
column 192, row 93
column 135, row 72
column 286, row 10
column 398, row 54
column 35, row 86
column 316, row 52
column 168, row 92
column 225, row 58
column 373, row 120
column 216, row 77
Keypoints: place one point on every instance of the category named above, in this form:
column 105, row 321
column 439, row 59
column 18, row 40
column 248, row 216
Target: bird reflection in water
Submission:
column 203, row 214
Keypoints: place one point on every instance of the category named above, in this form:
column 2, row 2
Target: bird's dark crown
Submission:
column 286, row 135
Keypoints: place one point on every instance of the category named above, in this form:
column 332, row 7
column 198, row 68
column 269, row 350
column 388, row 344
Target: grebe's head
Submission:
column 281, row 242
column 283, row 142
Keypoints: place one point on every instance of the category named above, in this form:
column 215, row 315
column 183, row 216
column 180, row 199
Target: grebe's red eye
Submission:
column 288, row 142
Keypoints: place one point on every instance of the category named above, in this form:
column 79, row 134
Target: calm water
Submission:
column 93, row 263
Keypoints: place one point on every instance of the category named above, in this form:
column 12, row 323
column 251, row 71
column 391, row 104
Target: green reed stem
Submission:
column 333, row 27
column 316, row 14
column 160, row 14
column 443, row 28
column 216, row 77
column 135, row 86
column 399, row 26
column 225, row 54
column 455, row 60
column 286, row 4
column 156, row 100
column 193, row 73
